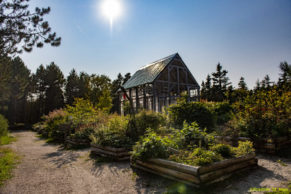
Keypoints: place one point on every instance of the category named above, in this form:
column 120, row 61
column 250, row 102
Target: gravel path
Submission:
column 46, row 168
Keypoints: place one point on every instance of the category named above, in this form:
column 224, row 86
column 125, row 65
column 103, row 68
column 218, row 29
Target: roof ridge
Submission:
column 158, row 61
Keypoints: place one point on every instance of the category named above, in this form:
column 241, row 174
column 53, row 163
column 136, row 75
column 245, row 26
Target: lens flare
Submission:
column 111, row 9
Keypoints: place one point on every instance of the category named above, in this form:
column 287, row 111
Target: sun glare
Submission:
column 111, row 9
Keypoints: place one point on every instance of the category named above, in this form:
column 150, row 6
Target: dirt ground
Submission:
column 47, row 168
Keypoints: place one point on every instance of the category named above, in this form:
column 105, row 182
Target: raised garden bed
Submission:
column 77, row 143
column 197, row 175
column 263, row 145
column 118, row 154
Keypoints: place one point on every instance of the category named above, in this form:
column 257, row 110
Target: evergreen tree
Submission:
column 266, row 83
column 21, row 29
column 242, row 84
column 38, row 90
column 84, row 85
column 5, row 76
column 72, row 89
column 54, row 81
column 285, row 75
column 206, row 91
column 19, row 85
column 220, row 83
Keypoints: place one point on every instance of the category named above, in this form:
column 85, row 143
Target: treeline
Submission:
column 25, row 97
column 218, row 88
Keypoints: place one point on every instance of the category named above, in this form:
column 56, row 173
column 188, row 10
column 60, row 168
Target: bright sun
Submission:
column 111, row 9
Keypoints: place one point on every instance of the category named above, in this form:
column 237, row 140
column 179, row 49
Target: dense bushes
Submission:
column 124, row 131
column 143, row 120
column 83, row 123
column 151, row 146
column 190, row 112
column 113, row 133
column 3, row 126
column 74, row 122
column 264, row 114
column 192, row 145
column 206, row 114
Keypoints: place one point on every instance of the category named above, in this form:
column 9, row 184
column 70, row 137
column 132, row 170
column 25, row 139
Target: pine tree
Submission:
column 285, row 75
column 21, row 29
column 220, row 83
column 72, row 89
column 242, row 84
column 54, row 81
column 19, row 85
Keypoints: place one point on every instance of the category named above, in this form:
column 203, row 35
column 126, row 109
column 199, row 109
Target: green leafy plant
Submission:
column 113, row 133
column 223, row 149
column 264, row 114
column 150, row 146
column 144, row 120
column 197, row 157
column 190, row 112
column 244, row 147
column 192, row 136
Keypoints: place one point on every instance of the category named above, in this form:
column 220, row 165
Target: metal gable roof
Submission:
column 148, row 73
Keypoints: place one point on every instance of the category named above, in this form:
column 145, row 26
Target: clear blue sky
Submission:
column 248, row 37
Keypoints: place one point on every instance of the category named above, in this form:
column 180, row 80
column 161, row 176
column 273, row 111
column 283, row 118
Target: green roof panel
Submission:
column 148, row 73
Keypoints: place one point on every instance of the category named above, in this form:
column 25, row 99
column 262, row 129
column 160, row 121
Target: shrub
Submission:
column 244, row 148
column 198, row 157
column 223, row 149
column 150, row 146
column 144, row 120
column 82, row 111
column 190, row 112
column 223, row 112
column 192, row 136
column 3, row 126
column 56, row 125
column 264, row 114
column 114, row 133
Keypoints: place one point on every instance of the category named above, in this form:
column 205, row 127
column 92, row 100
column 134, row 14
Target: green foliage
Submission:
column 24, row 29
column 197, row 157
column 144, row 120
column 4, row 140
column 150, row 146
column 8, row 160
column 223, row 112
column 82, row 111
column 265, row 113
column 56, row 126
column 191, row 136
column 215, row 90
column 223, row 149
column 105, row 101
column 113, row 133
column 244, row 147
column 190, row 112
column 3, row 126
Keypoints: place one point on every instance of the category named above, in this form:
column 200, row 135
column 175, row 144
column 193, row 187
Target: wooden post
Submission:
column 136, row 99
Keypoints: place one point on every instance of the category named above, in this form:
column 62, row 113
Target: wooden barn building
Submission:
column 159, row 84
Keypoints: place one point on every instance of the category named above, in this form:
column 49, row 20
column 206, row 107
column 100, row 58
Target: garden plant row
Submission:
column 181, row 145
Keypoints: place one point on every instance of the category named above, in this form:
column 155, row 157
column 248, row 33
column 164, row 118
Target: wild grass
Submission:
column 8, row 160
column 4, row 140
